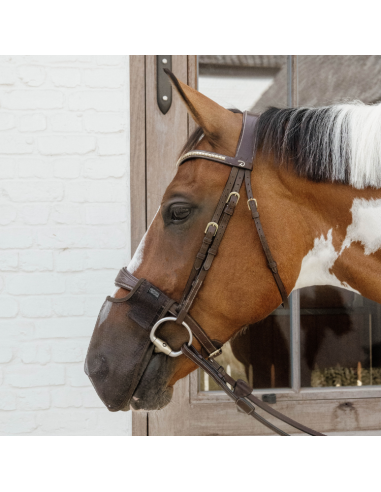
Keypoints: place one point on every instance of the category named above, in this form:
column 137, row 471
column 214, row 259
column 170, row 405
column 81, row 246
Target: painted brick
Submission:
column 67, row 214
column 34, row 191
column 107, row 78
column 36, row 261
column 66, row 122
column 64, row 328
column 46, row 60
column 106, row 213
column 99, row 100
column 76, row 376
column 17, row 423
column 7, row 76
column 8, row 260
column 7, row 121
column 8, row 214
column 69, row 261
column 65, row 77
column 21, row 237
column 34, row 353
column 7, row 168
column 81, row 237
column 112, row 145
column 101, row 259
column 78, row 144
column 65, row 422
column 67, row 352
column 110, row 59
column 36, row 284
column 33, row 400
column 68, row 306
column 46, row 111
column 7, row 400
column 31, row 75
column 36, row 99
column 104, row 122
column 26, row 376
column 67, row 398
column 110, row 423
column 15, row 144
column 35, row 214
column 36, row 307
column 31, row 123
column 91, row 399
column 16, row 330
column 67, row 167
column 92, row 283
column 34, row 168
column 111, row 167
column 8, row 307
column 82, row 191
column 6, row 354
column 93, row 304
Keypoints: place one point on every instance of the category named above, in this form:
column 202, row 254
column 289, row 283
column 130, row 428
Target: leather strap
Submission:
column 242, row 392
column 228, row 211
column 252, row 203
column 210, row 232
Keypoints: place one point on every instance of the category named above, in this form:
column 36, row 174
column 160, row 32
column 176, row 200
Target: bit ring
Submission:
column 162, row 346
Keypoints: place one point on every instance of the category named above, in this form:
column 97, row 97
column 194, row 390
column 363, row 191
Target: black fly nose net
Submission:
column 120, row 348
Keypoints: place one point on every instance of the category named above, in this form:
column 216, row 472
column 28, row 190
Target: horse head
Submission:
column 239, row 289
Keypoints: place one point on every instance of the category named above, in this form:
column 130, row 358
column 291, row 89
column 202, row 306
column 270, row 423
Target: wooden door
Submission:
column 156, row 140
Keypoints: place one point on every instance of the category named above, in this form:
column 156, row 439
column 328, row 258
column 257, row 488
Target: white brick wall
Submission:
column 64, row 190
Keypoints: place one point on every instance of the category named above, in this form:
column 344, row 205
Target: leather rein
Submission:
column 239, row 391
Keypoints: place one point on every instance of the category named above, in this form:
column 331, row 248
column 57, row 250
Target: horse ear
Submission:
column 221, row 126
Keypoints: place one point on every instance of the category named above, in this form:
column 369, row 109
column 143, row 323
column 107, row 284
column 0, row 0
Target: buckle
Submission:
column 234, row 193
column 215, row 353
column 251, row 200
column 213, row 224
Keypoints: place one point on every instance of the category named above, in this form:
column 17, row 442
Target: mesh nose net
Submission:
column 120, row 348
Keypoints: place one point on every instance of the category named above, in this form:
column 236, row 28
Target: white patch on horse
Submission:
column 317, row 263
column 366, row 225
column 137, row 259
column 138, row 256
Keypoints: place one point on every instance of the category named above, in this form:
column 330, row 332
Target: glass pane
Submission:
column 242, row 81
column 340, row 330
column 261, row 354
column 340, row 338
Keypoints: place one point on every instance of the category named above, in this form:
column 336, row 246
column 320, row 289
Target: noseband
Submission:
column 167, row 309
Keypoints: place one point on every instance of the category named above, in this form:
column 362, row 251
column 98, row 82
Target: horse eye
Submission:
column 179, row 213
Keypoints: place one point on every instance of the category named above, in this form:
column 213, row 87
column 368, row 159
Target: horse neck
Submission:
column 338, row 230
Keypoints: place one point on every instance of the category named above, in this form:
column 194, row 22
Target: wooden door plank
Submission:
column 137, row 181
column 356, row 415
column 166, row 133
column 137, row 150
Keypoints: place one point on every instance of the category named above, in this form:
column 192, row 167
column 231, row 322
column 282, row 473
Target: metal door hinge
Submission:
column 269, row 398
column 164, row 87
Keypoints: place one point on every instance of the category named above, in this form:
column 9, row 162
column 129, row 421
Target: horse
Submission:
column 316, row 179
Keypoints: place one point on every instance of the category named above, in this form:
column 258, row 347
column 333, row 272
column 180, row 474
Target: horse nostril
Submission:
column 97, row 367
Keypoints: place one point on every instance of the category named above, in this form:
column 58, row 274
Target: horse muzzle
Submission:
column 123, row 341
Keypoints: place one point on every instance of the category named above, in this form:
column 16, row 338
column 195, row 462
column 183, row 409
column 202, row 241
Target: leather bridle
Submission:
column 239, row 391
